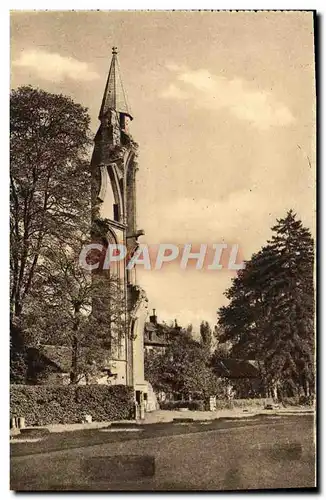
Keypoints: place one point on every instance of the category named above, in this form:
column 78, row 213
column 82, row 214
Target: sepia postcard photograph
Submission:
column 162, row 250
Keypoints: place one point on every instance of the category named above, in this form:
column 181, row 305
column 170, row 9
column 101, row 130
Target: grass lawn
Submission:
column 260, row 453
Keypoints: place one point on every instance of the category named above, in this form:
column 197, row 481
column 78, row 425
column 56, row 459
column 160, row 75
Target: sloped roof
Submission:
column 159, row 334
column 59, row 357
column 115, row 96
column 149, row 327
column 155, row 339
column 152, row 336
column 236, row 368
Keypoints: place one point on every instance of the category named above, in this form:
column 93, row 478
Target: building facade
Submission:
column 114, row 168
column 157, row 336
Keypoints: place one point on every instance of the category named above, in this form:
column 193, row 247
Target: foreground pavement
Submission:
column 255, row 453
column 165, row 416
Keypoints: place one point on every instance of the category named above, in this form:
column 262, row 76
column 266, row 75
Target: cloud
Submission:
column 173, row 92
column 176, row 67
column 242, row 99
column 54, row 67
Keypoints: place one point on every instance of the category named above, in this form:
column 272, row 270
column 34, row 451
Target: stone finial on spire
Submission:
column 115, row 97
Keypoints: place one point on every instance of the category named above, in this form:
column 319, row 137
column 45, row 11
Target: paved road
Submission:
column 274, row 453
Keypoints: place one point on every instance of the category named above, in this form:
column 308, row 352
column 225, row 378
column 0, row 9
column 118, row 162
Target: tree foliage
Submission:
column 49, row 180
column 206, row 335
column 72, row 307
column 54, row 300
column 184, row 368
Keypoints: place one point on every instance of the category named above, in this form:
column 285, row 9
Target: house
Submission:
column 157, row 336
column 51, row 365
column 244, row 376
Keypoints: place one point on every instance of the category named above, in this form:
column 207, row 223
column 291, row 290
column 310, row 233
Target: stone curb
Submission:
column 62, row 428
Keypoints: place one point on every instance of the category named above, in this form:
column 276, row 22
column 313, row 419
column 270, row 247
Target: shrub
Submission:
column 174, row 405
column 250, row 402
column 298, row 401
column 197, row 405
column 221, row 404
column 307, row 400
column 43, row 405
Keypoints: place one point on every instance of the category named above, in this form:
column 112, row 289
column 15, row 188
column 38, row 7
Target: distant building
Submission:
column 51, row 364
column 244, row 376
column 157, row 336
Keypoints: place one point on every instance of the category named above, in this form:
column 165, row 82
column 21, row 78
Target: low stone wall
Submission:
column 244, row 403
column 221, row 404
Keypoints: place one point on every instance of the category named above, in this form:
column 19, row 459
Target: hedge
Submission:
column 221, row 404
column 226, row 404
column 191, row 405
column 43, row 405
column 245, row 403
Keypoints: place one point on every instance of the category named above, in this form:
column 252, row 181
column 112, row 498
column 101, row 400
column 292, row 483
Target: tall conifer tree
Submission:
column 270, row 316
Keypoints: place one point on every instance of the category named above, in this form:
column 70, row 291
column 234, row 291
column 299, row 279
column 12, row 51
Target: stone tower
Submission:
column 114, row 170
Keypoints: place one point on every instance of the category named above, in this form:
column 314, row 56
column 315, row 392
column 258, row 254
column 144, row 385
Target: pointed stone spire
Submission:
column 114, row 95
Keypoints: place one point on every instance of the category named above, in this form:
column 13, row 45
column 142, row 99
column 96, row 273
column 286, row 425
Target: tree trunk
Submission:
column 74, row 354
column 274, row 392
column 307, row 388
column 74, row 361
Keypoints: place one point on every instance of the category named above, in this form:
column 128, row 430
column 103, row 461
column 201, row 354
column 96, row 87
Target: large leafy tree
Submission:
column 49, row 181
column 270, row 315
column 53, row 299
column 71, row 307
column 184, row 368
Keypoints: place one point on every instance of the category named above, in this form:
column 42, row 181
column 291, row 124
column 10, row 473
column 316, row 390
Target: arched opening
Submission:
column 131, row 194
column 109, row 206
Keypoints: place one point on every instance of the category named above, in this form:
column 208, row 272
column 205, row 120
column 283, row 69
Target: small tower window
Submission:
column 116, row 212
column 122, row 121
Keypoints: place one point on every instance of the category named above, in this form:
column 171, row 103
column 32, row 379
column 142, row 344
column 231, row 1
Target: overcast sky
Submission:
column 224, row 112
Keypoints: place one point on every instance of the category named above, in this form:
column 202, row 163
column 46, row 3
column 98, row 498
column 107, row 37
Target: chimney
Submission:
column 153, row 318
column 176, row 326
